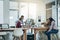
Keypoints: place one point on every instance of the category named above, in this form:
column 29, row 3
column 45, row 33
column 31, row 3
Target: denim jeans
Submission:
column 53, row 31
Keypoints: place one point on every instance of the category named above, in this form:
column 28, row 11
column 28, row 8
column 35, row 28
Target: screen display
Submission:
column 5, row 25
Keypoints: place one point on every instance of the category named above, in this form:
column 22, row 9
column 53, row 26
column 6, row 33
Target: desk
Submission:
column 25, row 34
column 4, row 32
column 24, row 30
column 5, row 29
column 12, row 29
column 39, row 29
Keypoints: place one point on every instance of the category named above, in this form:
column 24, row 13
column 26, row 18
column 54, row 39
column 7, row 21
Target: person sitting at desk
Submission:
column 52, row 27
column 19, row 22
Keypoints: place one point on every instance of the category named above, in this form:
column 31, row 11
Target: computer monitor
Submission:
column 5, row 26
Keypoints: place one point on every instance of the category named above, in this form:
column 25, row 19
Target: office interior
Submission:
column 11, row 11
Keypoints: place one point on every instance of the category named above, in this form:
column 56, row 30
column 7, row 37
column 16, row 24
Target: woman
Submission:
column 52, row 28
column 19, row 22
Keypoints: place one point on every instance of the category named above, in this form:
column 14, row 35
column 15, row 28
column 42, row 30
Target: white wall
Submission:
column 1, row 12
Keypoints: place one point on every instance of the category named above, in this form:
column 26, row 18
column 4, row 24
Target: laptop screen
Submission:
column 5, row 25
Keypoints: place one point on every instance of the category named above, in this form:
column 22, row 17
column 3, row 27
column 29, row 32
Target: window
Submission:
column 13, row 5
column 1, row 11
column 32, row 10
column 13, row 12
column 59, row 16
column 13, row 17
column 28, row 10
column 23, row 10
column 54, row 15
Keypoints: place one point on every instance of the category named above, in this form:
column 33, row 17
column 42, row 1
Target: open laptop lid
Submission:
column 5, row 26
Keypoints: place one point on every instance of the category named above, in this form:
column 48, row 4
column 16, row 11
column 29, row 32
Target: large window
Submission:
column 54, row 16
column 59, row 13
column 13, row 17
column 28, row 10
column 23, row 8
column 13, row 5
column 32, row 10
column 59, row 16
column 1, row 11
column 13, row 13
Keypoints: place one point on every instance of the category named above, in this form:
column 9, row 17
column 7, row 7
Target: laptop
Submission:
column 5, row 26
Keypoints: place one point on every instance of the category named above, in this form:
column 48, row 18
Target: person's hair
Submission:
column 51, row 19
column 22, row 16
